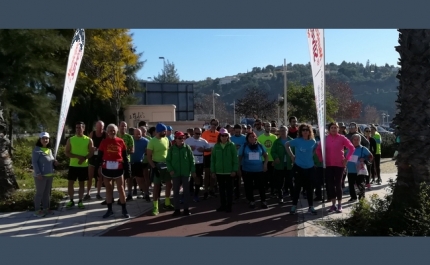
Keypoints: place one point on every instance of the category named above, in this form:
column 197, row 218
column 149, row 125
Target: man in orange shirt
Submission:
column 211, row 136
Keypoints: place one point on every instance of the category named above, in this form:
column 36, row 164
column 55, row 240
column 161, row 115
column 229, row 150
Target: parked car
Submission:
column 379, row 128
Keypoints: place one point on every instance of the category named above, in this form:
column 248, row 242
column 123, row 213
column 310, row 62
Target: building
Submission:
column 228, row 79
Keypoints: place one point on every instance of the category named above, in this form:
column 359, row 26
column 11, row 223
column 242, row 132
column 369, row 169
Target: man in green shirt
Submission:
column 129, row 143
column 157, row 153
column 267, row 139
column 79, row 149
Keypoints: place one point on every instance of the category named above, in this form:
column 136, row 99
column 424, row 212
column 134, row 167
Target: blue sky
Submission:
column 198, row 54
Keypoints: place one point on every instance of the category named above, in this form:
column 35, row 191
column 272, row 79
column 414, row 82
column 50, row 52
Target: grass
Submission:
column 22, row 200
column 25, row 179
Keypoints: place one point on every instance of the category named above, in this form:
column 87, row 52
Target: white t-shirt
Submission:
column 196, row 143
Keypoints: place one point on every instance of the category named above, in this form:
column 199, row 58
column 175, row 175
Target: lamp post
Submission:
column 234, row 111
column 284, row 71
column 213, row 101
column 279, row 114
column 383, row 116
column 164, row 67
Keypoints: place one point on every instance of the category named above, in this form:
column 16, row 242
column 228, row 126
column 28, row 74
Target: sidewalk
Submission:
column 307, row 222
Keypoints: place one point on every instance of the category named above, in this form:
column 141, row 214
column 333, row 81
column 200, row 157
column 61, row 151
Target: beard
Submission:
column 162, row 135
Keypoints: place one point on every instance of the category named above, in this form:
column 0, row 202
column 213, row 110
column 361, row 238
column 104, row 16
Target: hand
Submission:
column 172, row 173
column 293, row 159
column 56, row 163
column 39, row 177
column 193, row 147
column 265, row 168
column 81, row 160
column 200, row 149
column 276, row 161
column 213, row 175
column 345, row 161
column 233, row 174
column 193, row 174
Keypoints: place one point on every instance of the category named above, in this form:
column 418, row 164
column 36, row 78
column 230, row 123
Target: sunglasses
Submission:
column 224, row 135
column 181, row 138
column 305, row 130
column 367, row 131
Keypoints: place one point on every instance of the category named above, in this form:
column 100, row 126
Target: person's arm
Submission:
column 90, row 149
column 266, row 160
column 235, row 161
column 34, row 159
column 126, row 163
column 290, row 153
column 213, row 161
column 100, row 154
column 150, row 162
column 273, row 152
column 350, row 148
column 169, row 162
column 192, row 160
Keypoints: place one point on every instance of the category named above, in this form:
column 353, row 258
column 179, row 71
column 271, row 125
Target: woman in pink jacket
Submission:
column 335, row 163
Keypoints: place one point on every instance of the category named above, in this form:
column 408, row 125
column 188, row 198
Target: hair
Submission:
column 80, row 123
column 228, row 126
column 142, row 123
column 248, row 135
column 112, row 126
column 283, row 127
column 237, row 126
column 331, row 124
column 355, row 135
column 151, row 130
column 39, row 143
column 219, row 138
column 292, row 118
column 214, row 120
column 218, row 128
column 131, row 130
column 186, row 135
column 190, row 130
column 309, row 127
column 367, row 128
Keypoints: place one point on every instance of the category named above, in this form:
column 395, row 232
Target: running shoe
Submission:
column 312, row 210
column 333, row 208
column 39, row 213
column 293, row 210
column 81, row 205
column 70, row 204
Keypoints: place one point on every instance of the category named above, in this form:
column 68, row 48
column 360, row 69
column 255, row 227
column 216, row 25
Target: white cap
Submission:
column 44, row 134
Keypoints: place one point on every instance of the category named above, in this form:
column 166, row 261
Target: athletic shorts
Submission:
column 137, row 169
column 92, row 161
column 163, row 175
column 78, row 173
column 112, row 173
column 207, row 161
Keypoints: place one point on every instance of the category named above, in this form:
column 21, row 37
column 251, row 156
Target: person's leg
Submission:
column 82, row 177
column 289, row 185
column 46, row 199
column 298, row 184
column 109, row 195
column 378, row 167
column 207, row 179
column 168, row 180
column 121, row 191
column 361, row 186
column 198, row 181
column 91, row 170
column 156, row 191
column 71, row 177
column 247, row 183
column 177, row 198
column 40, row 185
column 352, row 178
column 229, row 183
column 187, row 193
column 99, row 182
column 319, row 180
column 222, row 192
column 279, row 176
column 338, row 184
column 308, row 184
column 260, row 184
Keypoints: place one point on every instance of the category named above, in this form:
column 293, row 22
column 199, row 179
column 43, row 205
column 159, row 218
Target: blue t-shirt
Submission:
column 139, row 150
column 304, row 152
column 252, row 160
column 352, row 165
column 238, row 140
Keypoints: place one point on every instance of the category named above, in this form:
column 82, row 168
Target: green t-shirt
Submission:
column 79, row 146
column 267, row 142
column 159, row 149
column 129, row 142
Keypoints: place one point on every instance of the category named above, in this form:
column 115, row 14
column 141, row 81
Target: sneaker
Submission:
column 196, row 199
column 168, row 207
column 205, row 196
column 186, row 212
column 70, row 204
column 280, row 201
column 176, row 213
column 333, row 208
column 379, row 182
column 135, row 192
column 81, row 205
column 147, row 199
column 98, row 197
column 109, row 213
column 264, row 205
column 352, row 200
column 293, row 210
column 339, row 208
column 312, row 210
column 49, row 212
column 125, row 214
column 39, row 213
column 140, row 196
column 87, row 197
column 221, row 209
column 252, row 205
column 155, row 212
column 129, row 198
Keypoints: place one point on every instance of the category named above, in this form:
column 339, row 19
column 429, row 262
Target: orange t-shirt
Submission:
column 211, row 137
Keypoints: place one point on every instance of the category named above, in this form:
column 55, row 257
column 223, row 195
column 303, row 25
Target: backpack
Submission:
column 246, row 144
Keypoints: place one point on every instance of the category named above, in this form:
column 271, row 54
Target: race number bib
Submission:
column 198, row 159
column 353, row 159
column 254, row 156
column 112, row 165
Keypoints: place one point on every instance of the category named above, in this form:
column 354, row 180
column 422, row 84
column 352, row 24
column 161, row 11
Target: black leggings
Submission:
column 253, row 180
column 334, row 177
column 376, row 167
column 225, row 184
column 304, row 177
column 354, row 179
column 319, row 182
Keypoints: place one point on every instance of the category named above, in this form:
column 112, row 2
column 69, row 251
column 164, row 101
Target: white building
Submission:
column 228, row 79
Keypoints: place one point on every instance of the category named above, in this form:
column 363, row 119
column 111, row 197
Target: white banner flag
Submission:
column 317, row 53
column 73, row 64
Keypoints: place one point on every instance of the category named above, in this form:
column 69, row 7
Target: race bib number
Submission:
column 198, row 159
column 254, row 156
column 112, row 165
column 353, row 159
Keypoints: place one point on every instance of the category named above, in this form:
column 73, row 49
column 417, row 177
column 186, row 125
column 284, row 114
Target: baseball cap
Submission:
column 179, row 134
column 44, row 134
column 169, row 128
column 160, row 127
column 223, row 131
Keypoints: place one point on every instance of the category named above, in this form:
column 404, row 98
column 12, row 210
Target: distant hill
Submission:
column 373, row 85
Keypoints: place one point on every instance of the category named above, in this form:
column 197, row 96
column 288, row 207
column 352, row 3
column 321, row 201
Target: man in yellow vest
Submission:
column 79, row 149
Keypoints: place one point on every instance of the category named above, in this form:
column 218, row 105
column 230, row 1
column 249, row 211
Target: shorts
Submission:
column 112, row 173
column 93, row 161
column 78, row 173
column 207, row 161
column 137, row 169
column 163, row 175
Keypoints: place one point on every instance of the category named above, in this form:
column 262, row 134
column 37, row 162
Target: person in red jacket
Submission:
column 335, row 163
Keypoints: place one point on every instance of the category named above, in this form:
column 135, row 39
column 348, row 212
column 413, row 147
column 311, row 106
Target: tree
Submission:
column 371, row 115
column 412, row 117
column 204, row 105
column 256, row 102
column 169, row 74
column 348, row 107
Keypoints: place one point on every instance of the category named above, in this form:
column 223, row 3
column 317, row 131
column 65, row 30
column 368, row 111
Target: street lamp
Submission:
column 285, row 91
column 234, row 111
column 213, row 101
column 164, row 67
column 383, row 116
column 279, row 100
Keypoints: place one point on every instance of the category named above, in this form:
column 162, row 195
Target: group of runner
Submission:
column 282, row 161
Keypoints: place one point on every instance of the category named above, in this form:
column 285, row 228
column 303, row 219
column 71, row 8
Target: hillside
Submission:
column 371, row 84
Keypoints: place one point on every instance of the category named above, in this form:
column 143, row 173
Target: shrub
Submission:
column 23, row 200
column 388, row 145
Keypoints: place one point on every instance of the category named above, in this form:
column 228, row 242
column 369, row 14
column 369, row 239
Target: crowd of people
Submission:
column 281, row 163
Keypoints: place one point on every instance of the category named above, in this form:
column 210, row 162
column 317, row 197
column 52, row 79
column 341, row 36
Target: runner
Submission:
column 211, row 137
column 224, row 165
column 129, row 143
column 169, row 134
column 251, row 155
column 258, row 127
column 198, row 146
column 157, row 153
column 137, row 161
column 303, row 165
column 369, row 164
column 78, row 148
column 377, row 161
column 93, row 169
column 293, row 127
column 267, row 139
column 114, row 163
column 238, row 139
column 180, row 165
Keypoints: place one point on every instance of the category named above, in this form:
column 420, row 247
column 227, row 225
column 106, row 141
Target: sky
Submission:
column 198, row 54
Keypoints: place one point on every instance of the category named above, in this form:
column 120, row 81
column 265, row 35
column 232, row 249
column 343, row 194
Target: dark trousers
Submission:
column 288, row 184
column 280, row 176
column 225, row 185
column 236, row 182
column 376, row 167
column 319, row 182
column 303, row 178
column 270, row 179
column 368, row 176
column 196, row 183
column 354, row 179
column 253, row 180
column 334, row 182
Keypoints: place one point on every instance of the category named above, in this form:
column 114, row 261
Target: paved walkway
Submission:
column 204, row 221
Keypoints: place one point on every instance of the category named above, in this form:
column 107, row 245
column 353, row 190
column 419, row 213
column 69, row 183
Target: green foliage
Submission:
column 388, row 145
column 23, row 200
column 169, row 74
column 379, row 218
